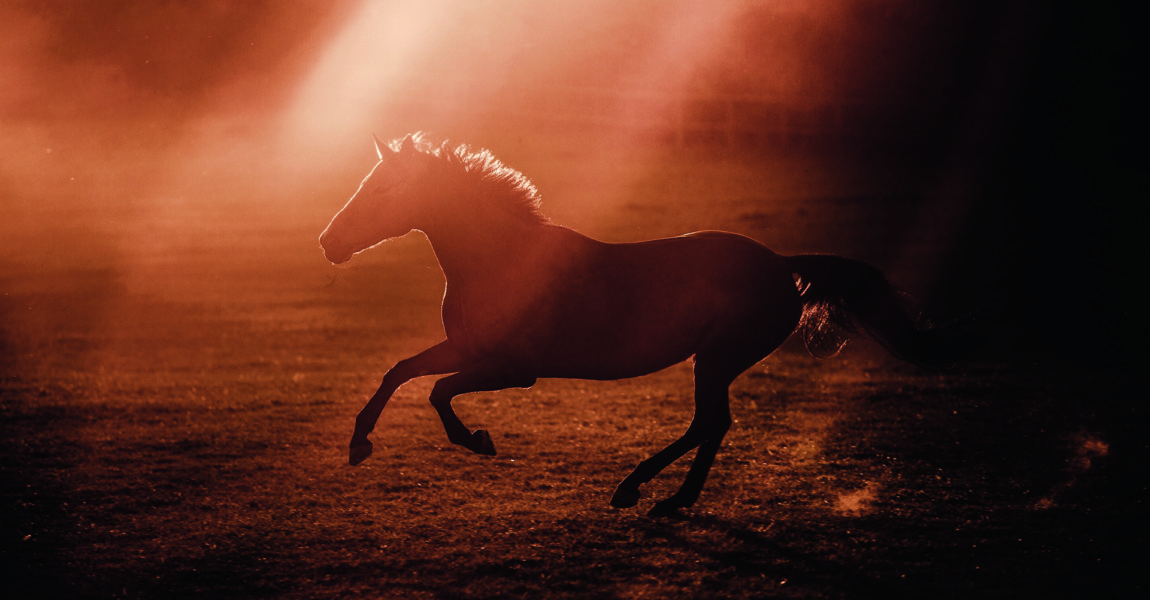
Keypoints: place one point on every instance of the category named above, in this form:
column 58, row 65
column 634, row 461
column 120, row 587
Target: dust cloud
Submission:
column 125, row 94
column 137, row 133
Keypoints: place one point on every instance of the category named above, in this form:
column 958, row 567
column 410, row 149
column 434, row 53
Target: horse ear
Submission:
column 407, row 146
column 379, row 146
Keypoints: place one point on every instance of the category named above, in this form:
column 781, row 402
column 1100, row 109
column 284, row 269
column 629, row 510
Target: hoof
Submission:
column 358, row 453
column 625, row 497
column 481, row 443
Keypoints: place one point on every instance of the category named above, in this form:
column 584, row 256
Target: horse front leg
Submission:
column 436, row 360
column 485, row 377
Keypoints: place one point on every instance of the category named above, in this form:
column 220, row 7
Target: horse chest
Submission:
column 497, row 314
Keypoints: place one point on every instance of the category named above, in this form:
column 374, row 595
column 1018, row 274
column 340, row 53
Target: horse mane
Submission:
column 483, row 177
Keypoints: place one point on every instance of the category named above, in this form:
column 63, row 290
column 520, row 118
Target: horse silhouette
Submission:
column 527, row 299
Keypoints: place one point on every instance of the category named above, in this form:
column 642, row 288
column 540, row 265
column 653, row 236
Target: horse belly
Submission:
column 617, row 349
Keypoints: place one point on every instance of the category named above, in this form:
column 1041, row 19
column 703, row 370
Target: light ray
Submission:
column 503, row 69
column 380, row 48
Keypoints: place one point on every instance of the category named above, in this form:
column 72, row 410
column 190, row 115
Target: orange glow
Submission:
column 296, row 92
column 372, row 58
column 483, row 74
column 136, row 113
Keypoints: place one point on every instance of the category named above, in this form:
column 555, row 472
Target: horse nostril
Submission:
column 326, row 242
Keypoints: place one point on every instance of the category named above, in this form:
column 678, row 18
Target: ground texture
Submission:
column 179, row 386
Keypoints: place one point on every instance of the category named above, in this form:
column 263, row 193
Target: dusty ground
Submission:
column 179, row 385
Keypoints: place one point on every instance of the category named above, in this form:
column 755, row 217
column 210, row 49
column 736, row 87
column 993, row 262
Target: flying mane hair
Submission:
column 484, row 177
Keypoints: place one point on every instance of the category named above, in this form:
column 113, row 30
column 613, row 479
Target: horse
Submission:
column 527, row 299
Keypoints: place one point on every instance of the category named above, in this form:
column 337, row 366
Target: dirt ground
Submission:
column 180, row 377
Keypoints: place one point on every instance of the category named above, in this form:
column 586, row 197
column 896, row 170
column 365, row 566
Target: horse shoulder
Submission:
column 508, row 310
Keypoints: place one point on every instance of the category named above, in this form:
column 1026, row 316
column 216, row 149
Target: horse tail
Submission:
column 843, row 295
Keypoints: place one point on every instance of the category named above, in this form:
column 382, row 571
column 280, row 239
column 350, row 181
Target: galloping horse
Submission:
column 527, row 299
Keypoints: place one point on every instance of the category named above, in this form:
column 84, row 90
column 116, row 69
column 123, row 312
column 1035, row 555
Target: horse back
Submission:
column 620, row 310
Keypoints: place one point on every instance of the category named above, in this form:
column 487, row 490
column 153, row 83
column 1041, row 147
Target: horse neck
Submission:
column 481, row 242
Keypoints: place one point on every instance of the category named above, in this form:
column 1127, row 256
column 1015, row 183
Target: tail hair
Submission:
column 842, row 296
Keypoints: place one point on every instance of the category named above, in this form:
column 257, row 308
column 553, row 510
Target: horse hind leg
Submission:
column 689, row 492
column 709, row 425
column 712, row 400
column 715, row 371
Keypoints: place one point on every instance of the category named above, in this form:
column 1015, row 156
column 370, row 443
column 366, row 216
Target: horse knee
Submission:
column 399, row 374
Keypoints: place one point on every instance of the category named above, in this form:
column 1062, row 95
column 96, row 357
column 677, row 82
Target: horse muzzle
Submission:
column 332, row 251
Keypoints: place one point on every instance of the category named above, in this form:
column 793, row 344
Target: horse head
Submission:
column 385, row 206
